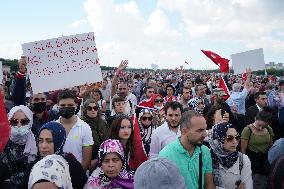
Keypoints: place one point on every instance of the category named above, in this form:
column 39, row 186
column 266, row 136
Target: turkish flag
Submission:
column 149, row 103
column 139, row 151
column 4, row 126
column 213, row 56
column 224, row 65
column 223, row 85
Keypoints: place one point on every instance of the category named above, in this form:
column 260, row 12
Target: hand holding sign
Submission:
column 121, row 68
column 122, row 65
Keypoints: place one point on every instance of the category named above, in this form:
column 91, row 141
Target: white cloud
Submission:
column 78, row 23
column 122, row 31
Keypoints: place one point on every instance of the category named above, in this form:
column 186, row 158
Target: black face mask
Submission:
column 67, row 112
column 39, row 107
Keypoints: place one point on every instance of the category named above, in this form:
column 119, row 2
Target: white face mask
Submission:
column 20, row 131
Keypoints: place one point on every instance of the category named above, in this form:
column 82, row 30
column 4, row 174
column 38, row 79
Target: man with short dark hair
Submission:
column 121, row 89
column 79, row 139
column 189, row 154
column 261, row 101
column 185, row 96
column 200, row 91
column 38, row 101
column 168, row 131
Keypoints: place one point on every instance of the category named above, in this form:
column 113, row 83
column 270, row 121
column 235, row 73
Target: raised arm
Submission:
column 121, row 67
column 19, row 89
column 246, row 84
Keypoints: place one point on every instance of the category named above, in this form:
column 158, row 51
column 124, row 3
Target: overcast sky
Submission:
column 164, row 32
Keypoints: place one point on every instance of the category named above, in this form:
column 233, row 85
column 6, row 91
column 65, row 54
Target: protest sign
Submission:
column 253, row 59
column 154, row 66
column 62, row 62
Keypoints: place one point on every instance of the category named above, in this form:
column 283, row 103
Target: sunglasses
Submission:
column 230, row 138
column 159, row 100
column 90, row 108
column 145, row 118
column 15, row 122
column 121, row 89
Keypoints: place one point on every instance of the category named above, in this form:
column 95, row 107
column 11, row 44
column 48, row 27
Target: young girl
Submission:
column 122, row 129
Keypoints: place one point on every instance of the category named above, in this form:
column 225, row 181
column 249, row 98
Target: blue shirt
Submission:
column 238, row 99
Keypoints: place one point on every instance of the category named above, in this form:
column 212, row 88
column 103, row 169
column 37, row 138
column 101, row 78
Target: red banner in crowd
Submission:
column 223, row 85
column 4, row 126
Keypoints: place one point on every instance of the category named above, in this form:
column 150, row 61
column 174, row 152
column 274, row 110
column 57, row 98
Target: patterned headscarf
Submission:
column 99, row 180
column 58, row 135
column 146, row 132
column 193, row 103
column 53, row 168
column 219, row 155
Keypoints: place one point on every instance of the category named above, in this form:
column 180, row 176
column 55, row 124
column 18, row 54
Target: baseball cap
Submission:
column 158, row 173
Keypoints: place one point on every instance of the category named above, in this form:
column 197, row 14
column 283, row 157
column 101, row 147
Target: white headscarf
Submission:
column 29, row 139
column 23, row 109
column 53, row 168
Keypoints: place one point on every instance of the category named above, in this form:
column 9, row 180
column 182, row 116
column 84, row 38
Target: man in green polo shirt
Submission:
column 185, row 152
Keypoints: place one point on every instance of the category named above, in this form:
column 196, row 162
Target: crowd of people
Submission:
column 145, row 130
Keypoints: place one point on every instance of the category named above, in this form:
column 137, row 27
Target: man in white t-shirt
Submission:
column 79, row 139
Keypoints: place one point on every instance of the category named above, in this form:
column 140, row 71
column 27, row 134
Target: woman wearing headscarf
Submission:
column 100, row 129
column 231, row 169
column 52, row 137
column 51, row 172
column 155, row 103
column 21, row 148
column 197, row 104
column 111, row 172
column 147, row 127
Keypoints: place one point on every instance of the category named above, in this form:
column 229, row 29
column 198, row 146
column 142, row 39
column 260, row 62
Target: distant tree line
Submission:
column 13, row 63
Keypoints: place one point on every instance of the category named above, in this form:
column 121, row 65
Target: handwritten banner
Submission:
column 62, row 62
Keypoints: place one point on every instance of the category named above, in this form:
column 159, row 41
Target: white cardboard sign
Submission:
column 253, row 59
column 62, row 62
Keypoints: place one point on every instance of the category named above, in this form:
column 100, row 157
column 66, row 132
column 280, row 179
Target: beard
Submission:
column 194, row 143
column 172, row 126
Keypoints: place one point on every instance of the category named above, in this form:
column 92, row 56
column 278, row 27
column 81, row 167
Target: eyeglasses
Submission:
column 159, row 100
column 230, row 138
column 145, row 118
column 90, row 108
column 15, row 122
